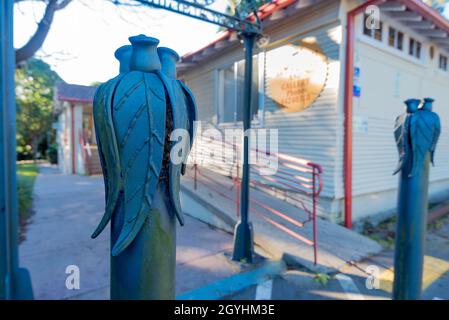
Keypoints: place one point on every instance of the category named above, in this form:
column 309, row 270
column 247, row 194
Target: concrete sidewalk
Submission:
column 67, row 210
column 337, row 246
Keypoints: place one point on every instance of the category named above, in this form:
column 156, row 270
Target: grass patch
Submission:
column 26, row 176
column 438, row 223
column 321, row 278
column 384, row 233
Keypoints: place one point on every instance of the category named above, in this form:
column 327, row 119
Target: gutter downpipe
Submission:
column 348, row 97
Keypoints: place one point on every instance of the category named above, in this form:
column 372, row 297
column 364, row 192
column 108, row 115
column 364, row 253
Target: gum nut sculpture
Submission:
column 433, row 120
column 135, row 115
column 416, row 133
column 401, row 130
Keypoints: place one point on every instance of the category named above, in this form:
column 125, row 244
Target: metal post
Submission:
column 410, row 235
column 14, row 282
column 195, row 177
column 5, row 286
column 416, row 147
column 243, row 235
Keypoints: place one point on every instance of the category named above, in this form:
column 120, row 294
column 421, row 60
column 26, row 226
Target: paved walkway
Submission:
column 67, row 210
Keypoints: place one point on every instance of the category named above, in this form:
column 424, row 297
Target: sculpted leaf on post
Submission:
column 134, row 114
column 425, row 130
column 400, row 131
column 184, row 113
column 402, row 134
column 107, row 148
column 192, row 112
column 140, row 131
column 416, row 133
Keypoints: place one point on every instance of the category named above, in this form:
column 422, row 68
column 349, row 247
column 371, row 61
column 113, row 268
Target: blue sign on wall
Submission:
column 356, row 91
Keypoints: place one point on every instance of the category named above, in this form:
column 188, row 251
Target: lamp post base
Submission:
column 23, row 289
column 243, row 242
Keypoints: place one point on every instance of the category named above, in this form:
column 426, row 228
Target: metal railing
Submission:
column 89, row 153
column 301, row 179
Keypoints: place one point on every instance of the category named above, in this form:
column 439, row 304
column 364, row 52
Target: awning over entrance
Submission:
column 418, row 16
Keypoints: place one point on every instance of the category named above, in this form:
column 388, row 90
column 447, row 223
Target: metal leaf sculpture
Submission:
column 183, row 108
column 435, row 120
column 134, row 114
column 425, row 130
column 401, row 132
column 416, row 133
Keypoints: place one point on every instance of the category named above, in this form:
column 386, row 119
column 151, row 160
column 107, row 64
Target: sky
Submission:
column 83, row 37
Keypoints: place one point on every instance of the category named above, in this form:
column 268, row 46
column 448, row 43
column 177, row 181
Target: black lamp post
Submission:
column 243, row 234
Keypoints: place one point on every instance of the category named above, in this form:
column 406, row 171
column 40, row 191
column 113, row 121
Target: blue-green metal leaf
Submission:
column 436, row 135
column 179, row 113
column 192, row 113
column 107, row 148
column 139, row 116
column 422, row 131
column 400, row 135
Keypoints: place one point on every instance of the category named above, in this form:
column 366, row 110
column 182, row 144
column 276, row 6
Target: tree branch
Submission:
column 43, row 27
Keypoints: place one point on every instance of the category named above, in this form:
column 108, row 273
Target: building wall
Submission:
column 64, row 138
column 311, row 134
column 389, row 76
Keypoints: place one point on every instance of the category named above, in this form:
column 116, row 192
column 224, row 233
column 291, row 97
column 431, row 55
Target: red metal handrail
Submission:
column 292, row 179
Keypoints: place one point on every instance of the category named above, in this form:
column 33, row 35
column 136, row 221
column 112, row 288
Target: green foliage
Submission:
column 52, row 153
column 384, row 233
column 241, row 7
column 437, row 4
column 26, row 176
column 96, row 83
column 34, row 97
column 438, row 223
column 322, row 278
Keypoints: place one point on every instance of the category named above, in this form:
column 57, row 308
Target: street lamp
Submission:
column 243, row 233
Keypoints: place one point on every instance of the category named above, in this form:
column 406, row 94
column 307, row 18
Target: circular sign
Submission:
column 296, row 76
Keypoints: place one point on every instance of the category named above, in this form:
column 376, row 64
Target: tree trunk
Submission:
column 38, row 38
column 34, row 147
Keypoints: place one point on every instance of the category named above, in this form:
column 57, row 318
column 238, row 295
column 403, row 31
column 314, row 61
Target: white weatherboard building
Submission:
column 75, row 134
column 299, row 89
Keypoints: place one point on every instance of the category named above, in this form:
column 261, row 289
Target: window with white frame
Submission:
column 373, row 31
column 231, row 90
column 226, row 94
column 395, row 38
column 443, row 62
column 414, row 48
